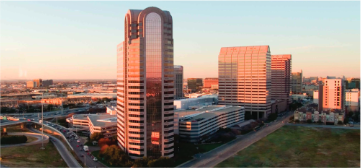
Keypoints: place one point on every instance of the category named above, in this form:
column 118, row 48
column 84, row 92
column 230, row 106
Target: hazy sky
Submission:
column 77, row 40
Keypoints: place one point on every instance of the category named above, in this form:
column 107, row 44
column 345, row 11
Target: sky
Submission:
column 77, row 40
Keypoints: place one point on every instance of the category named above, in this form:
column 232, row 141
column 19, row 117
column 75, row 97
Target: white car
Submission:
column 95, row 159
column 78, row 141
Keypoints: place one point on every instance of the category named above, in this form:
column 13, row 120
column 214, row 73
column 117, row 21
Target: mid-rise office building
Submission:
column 315, row 97
column 31, row 84
column 245, row 79
column 104, row 124
column 145, row 84
column 281, row 77
column 195, row 84
column 39, row 82
column 353, row 83
column 47, row 83
column 352, row 101
column 195, row 127
column 210, row 83
column 331, row 94
column 296, row 82
column 178, row 86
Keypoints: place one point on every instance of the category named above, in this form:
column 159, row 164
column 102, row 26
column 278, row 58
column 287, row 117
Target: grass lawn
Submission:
column 32, row 156
column 30, row 139
column 292, row 146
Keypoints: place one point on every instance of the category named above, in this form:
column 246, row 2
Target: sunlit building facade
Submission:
column 281, row 77
column 245, row 79
column 331, row 94
column 211, row 83
column 145, row 84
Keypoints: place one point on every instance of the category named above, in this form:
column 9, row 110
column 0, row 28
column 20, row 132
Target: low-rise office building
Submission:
column 193, row 103
column 195, row 127
column 105, row 124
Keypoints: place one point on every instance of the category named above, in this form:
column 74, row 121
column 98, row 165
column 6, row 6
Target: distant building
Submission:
column 197, row 126
column 352, row 102
column 193, row 103
column 39, row 82
column 315, row 97
column 47, row 83
column 195, row 84
column 310, row 113
column 111, row 110
column 331, row 94
column 353, row 83
column 296, row 82
column 281, row 77
column 210, row 83
column 104, row 124
column 241, row 83
column 178, row 85
column 31, row 84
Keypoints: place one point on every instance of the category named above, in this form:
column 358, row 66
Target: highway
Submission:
column 213, row 157
column 63, row 151
column 77, row 146
column 47, row 115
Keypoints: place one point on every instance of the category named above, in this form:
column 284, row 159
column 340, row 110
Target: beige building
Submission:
column 245, row 79
column 104, row 124
column 352, row 101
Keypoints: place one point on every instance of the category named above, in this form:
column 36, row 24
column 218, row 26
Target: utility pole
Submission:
column 42, row 122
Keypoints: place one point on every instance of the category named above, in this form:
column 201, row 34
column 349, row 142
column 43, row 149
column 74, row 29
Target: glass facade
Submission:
column 145, row 90
column 153, row 56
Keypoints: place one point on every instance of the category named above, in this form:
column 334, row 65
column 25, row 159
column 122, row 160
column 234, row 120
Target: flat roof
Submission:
column 103, row 120
column 208, row 112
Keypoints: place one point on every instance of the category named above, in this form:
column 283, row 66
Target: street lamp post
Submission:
column 42, row 122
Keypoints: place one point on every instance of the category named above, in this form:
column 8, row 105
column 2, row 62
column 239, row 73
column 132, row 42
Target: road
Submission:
column 36, row 135
column 63, row 151
column 212, row 158
column 47, row 115
column 78, row 149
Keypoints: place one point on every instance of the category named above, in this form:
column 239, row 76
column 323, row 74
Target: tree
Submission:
column 142, row 162
column 96, row 136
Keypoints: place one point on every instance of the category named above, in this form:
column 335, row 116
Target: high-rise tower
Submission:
column 245, row 79
column 281, row 77
column 145, row 84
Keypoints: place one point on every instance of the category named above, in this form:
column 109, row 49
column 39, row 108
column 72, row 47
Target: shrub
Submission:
column 309, row 121
column 297, row 121
column 319, row 121
column 340, row 122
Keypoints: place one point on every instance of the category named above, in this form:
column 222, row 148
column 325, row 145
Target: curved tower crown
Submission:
column 145, row 84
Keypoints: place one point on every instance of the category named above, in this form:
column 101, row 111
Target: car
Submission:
column 78, row 141
column 77, row 145
column 89, row 153
column 95, row 159
column 81, row 155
